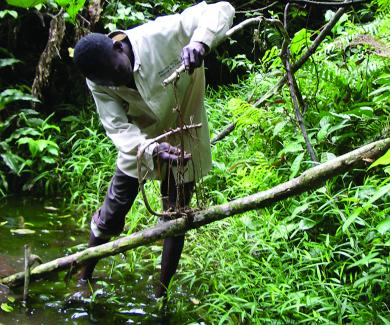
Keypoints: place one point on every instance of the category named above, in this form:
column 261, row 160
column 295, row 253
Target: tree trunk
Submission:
column 310, row 179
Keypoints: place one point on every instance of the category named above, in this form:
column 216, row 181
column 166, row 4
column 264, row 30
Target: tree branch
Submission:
column 259, row 9
column 310, row 179
column 52, row 49
column 312, row 48
column 329, row 3
column 224, row 133
column 295, row 93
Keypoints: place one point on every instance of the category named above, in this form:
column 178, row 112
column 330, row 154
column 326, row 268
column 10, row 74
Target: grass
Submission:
column 294, row 262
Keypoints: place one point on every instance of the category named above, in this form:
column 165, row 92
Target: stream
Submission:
column 123, row 292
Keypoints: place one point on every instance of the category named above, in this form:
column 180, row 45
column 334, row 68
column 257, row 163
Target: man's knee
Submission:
column 106, row 228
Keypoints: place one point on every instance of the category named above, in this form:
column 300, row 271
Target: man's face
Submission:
column 122, row 70
column 119, row 71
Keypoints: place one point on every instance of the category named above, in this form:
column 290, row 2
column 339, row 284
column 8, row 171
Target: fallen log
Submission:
column 310, row 179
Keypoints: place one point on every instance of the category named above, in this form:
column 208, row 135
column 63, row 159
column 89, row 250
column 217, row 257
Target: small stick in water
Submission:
column 29, row 260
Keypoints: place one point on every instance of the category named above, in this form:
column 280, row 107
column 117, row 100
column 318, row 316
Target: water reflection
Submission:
column 123, row 292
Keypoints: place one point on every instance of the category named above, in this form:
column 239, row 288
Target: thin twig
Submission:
column 294, row 90
column 27, row 253
column 257, row 10
column 328, row 27
column 285, row 16
column 222, row 134
column 329, row 3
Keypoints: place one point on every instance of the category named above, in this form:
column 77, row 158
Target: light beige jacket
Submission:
column 132, row 117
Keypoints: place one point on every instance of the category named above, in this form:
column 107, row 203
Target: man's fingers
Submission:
column 193, row 56
column 187, row 156
column 172, row 154
column 174, row 150
column 174, row 159
column 167, row 156
column 197, row 58
column 186, row 57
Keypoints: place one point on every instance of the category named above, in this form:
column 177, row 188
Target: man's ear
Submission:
column 117, row 45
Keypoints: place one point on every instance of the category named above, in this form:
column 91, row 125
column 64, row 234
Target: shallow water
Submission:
column 123, row 292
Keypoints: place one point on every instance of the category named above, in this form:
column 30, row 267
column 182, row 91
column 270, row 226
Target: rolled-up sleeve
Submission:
column 126, row 136
column 208, row 23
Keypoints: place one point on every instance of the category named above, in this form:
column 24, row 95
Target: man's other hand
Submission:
column 192, row 55
column 170, row 154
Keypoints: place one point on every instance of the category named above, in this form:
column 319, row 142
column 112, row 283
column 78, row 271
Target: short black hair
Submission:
column 91, row 55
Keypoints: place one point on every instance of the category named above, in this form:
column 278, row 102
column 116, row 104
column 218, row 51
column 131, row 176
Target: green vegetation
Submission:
column 321, row 257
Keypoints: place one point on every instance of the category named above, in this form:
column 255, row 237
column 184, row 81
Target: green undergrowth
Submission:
column 320, row 257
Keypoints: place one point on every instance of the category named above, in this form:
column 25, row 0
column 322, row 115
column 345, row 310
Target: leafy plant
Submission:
column 37, row 134
column 72, row 7
column 123, row 15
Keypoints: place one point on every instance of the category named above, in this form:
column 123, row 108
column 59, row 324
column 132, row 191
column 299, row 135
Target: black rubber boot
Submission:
column 86, row 273
column 173, row 247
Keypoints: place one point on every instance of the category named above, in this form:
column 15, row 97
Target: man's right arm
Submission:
column 203, row 26
column 207, row 23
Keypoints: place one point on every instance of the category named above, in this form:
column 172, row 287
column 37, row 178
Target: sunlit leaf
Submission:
column 383, row 226
column 306, row 224
column 366, row 260
column 384, row 160
column 41, row 144
column 278, row 127
column 295, row 166
column 352, row 218
column 7, row 308
column 23, row 231
column 72, row 7
column 10, row 95
column 12, row 13
column 25, row 3
column 48, row 160
column 300, row 41
column 8, row 62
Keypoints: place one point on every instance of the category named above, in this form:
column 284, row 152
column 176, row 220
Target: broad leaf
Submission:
column 8, row 62
column 14, row 162
column 383, row 226
column 25, row 3
column 296, row 165
column 72, row 7
column 384, row 160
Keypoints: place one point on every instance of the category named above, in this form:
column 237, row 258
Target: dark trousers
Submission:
column 110, row 219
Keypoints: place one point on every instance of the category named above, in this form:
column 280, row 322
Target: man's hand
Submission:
column 171, row 154
column 192, row 55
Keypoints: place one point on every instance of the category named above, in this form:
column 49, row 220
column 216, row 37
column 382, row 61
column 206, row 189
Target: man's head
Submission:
column 103, row 60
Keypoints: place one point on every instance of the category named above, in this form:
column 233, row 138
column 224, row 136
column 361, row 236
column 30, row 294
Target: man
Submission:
column 124, row 72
